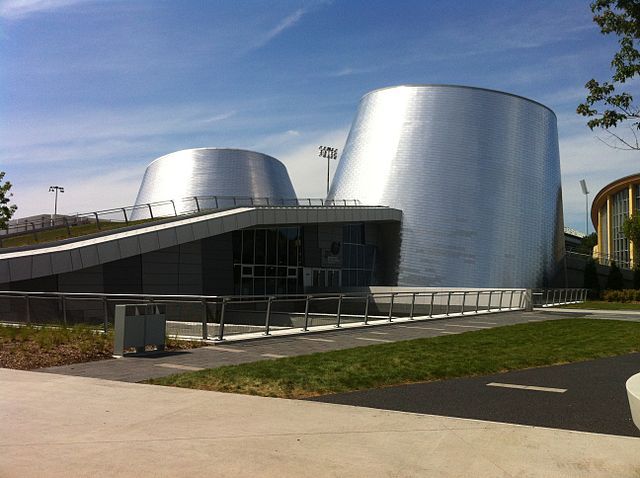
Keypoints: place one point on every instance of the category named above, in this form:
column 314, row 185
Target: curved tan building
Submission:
column 615, row 202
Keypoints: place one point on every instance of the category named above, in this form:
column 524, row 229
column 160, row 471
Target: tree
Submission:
column 605, row 104
column 615, row 281
column 591, row 279
column 6, row 209
column 587, row 243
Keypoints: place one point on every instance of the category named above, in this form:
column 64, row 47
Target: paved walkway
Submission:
column 63, row 426
column 136, row 369
column 583, row 396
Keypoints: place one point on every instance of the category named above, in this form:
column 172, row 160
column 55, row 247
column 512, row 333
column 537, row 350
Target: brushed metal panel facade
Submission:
column 213, row 172
column 477, row 175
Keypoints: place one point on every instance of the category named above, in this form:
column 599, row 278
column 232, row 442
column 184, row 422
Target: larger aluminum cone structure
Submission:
column 476, row 173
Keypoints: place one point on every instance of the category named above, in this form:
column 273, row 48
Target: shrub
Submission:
column 625, row 295
column 591, row 281
column 615, row 281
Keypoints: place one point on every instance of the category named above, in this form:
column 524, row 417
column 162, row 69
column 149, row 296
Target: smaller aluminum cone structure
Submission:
column 476, row 173
column 219, row 172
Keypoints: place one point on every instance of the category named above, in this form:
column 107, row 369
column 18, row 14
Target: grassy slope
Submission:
column 28, row 348
column 603, row 305
column 57, row 234
column 473, row 353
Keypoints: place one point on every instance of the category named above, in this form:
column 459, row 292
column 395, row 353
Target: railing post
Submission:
column 150, row 210
column 205, row 331
column 391, row 307
column 413, row 306
column 97, row 220
column 267, row 319
column 195, row 198
column 500, row 304
column 553, row 301
column 489, row 303
column 175, row 211
column 306, row 313
column 215, row 198
column 338, row 311
column 28, row 309
column 221, row 324
column 64, row 310
column 477, row 301
column 448, row 302
column 433, row 294
column 105, row 309
column 366, row 310
column 124, row 213
column 66, row 225
column 511, row 299
column 235, row 203
column 464, row 298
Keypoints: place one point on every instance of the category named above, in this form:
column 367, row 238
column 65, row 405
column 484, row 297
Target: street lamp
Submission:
column 56, row 189
column 585, row 191
column 329, row 153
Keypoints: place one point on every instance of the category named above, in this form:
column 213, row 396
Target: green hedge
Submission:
column 625, row 295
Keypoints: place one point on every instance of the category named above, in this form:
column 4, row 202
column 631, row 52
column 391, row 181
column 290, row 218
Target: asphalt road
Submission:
column 595, row 399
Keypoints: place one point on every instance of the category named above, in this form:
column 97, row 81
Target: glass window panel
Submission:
column 247, row 246
column 271, row 286
column 260, row 246
column 282, row 286
column 247, row 286
column 271, row 246
column 282, row 247
column 259, row 271
column 259, row 286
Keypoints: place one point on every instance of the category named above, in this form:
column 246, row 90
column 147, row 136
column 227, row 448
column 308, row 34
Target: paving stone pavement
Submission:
column 139, row 368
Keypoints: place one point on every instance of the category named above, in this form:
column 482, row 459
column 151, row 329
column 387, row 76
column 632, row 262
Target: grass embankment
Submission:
column 28, row 348
column 603, row 305
column 474, row 353
column 38, row 237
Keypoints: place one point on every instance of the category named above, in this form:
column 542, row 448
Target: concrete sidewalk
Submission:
column 56, row 425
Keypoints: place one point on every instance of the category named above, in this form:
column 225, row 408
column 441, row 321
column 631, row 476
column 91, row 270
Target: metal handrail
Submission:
column 433, row 304
column 187, row 205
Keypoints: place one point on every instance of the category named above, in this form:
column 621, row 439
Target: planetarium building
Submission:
column 438, row 185
column 476, row 174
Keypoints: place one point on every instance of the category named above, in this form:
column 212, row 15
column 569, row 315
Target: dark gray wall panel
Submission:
column 217, row 265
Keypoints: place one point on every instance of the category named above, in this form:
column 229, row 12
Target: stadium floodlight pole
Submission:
column 585, row 191
column 329, row 153
column 56, row 189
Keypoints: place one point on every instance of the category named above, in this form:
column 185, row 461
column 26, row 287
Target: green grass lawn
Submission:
column 603, row 305
column 473, row 353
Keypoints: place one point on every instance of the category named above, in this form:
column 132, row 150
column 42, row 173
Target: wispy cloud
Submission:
column 284, row 24
column 18, row 9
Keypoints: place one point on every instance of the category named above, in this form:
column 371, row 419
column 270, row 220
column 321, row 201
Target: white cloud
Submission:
column 287, row 22
column 582, row 156
column 89, row 190
column 17, row 9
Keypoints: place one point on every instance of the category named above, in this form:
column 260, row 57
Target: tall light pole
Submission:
column 585, row 191
column 329, row 153
column 55, row 204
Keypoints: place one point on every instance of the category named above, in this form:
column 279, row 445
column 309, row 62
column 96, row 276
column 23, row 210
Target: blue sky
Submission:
column 92, row 91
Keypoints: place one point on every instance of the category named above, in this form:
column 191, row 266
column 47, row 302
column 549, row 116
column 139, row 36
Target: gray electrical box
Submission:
column 139, row 325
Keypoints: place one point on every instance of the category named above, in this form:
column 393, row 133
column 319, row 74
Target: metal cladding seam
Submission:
column 214, row 172
column 476, row 173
